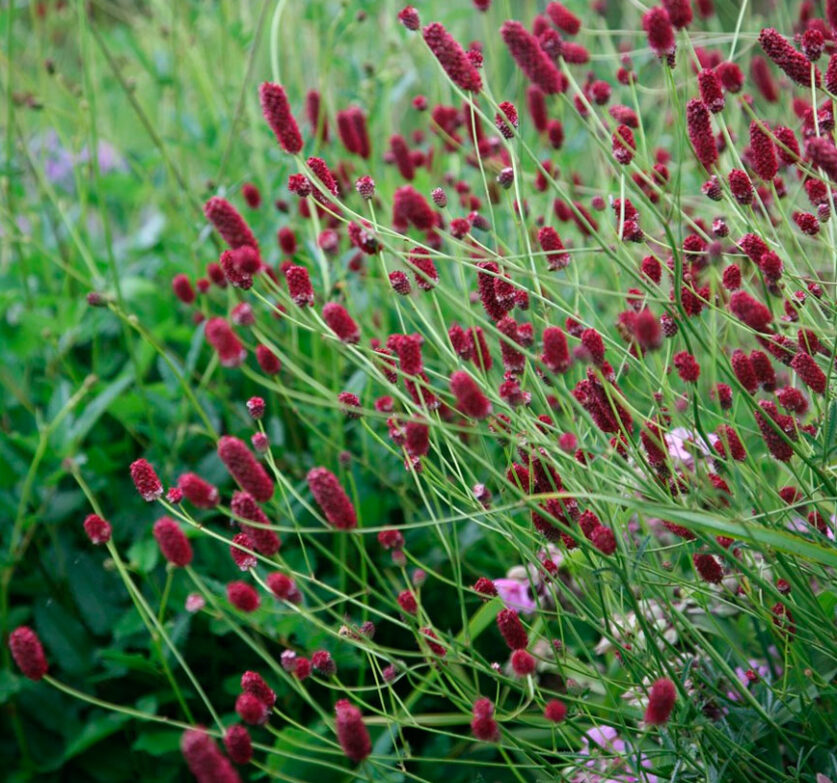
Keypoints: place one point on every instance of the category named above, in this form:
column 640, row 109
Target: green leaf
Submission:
column 96, row 728
column 158, row 743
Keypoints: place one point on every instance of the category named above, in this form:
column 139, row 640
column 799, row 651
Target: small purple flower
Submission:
column 515, row 594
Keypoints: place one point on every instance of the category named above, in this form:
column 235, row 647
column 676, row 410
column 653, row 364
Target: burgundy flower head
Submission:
column 28, row 653
column 352, row 733
column 332, row 499
column 244, row 468
column 277, row 112
column 531, row 59
column 145, row 480
column 172, row 541
column 660, row 702
column 452, row 57
column 98, row 530
column 205, row 760
column 229, row 223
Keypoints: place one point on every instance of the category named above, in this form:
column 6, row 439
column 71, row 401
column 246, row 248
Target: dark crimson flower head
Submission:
column 238, row 744
column 483, row 725
column 243, row 559
column 332, row 499
column 531, row 59
column 470, row 399
column 261, row 537
column 251, row 709
column 765, row 163
column 267, row 360
column 220, row 335
column 679, row 11
column 253, row 682
column 700, row 132
column 555, row 711
column 322, row 662
column 277, row 112
column 28, row 653
column 792, row 62
column 408, row 16
column 145, row 480
column 242, row 596
column 709, row 568
column 711, row 93
column 522, row 663
column 205, row 760
column 172, row 541
column 98, row 530
column 244, row 468
column 660, row 702
column 229, row 223
column 657, row 25
column 452, row 57
column 183, row 289
column 563, row 18
column 341, row 323
column 512, row 629
column 352, row 733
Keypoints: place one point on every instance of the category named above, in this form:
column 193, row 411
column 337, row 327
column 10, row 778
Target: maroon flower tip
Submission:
column 245, row 507
column 28, row 653
column 244, row 468
column 220, row 335
column 229, row 224
column 253, row 682
column 255, row 407
column 198, row 492
column 658, row 27
column 485, row 586
column 522, row 663
column 243, row 596
column 204, row 758
column 243, row 559
column 531, row 58
column 172, row 541
column 98, row 530
column 183, row 289
column 277, row 112
column 332, row 499
column 238, row 744
column 709, row 568
column 408, row 16
column 341, row 323
column 145, row 480
column 251, row 709
column 352, row 733
column 469, row 397
column 452, row 57
column 323, row 663
column 660, row 702
column 512, row 629
column 555, row 711
column 483, row 725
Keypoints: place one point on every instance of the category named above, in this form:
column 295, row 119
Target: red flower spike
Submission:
column 332, row 499
column 700, row 133
column 242, row 596
column 750, row 311
column 244, row 560
column 251, row 709
column 229, row 223
column 555, row 711
column 410, row 208
column 556, row 355
column 485, row 586
column 205, row 760
column 709, row 568
column 268, row 361
column 283, row 587
column 424, row 270
column 469, row 397
column 98, row 530
column 823, row 154
column 809, row 372
column 536, row 103
column 531, row 59
column 198, row 492
column 711, row 92
column 776, row 445
column 408, row 16
column 687, row 367
column 352, row 733
column 730, row 75
column 660, row 702
column 512, row 629
column 624, row 145
column 252, row 682
column 563, row 18
column 483, row 725
column 277, row 112
column 657, row 25
column 244, row 468
column 452, row 57
column 172, row 541
column 522, row 663
column 183, row 289
column 741, row 187
column 238, row 744
column 322, row 662
column 222, row 338
column 407, row 602
column 792, row 62
column 323, row 173
column 28, row 653
column 146, row 481
column 604, row 540
column 341, row 323
column 763, row 152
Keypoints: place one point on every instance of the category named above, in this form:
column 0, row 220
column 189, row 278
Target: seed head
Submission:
column 146, row 481
column 332, row 499
column 98, row 530
column 229, row 223
column 531, row 59
column 452, row 57
column 660, row 702
column 352, row 733
column 222, row 338
column 28, row 653
column 277, row 112
column 512, row 629
column 238, row 744
column 205, row 760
